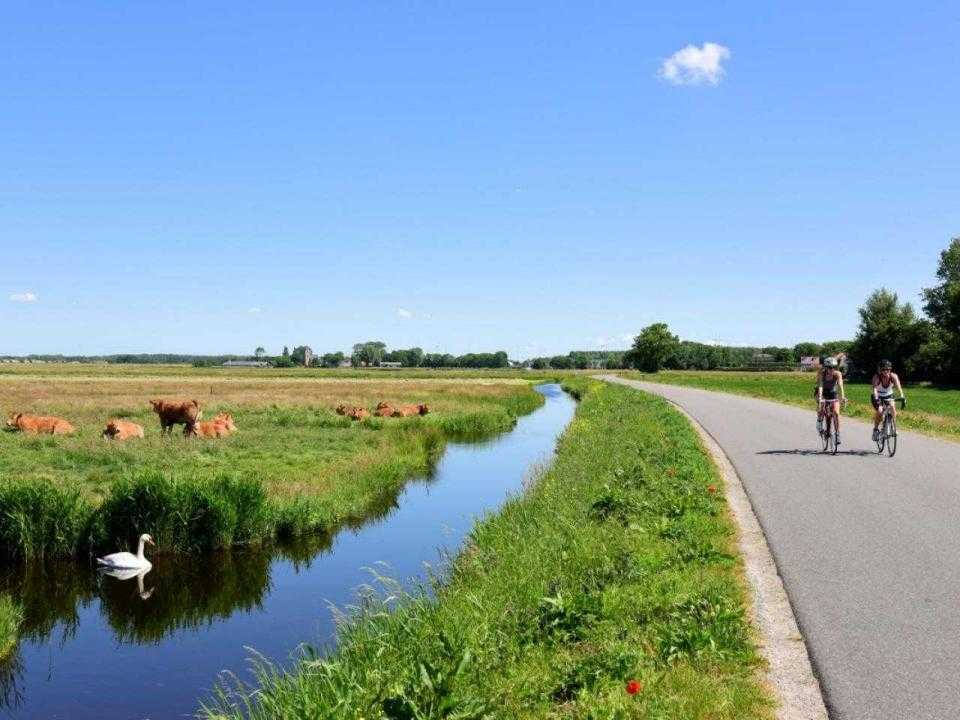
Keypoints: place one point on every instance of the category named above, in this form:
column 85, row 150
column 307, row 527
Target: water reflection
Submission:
column 89, row 636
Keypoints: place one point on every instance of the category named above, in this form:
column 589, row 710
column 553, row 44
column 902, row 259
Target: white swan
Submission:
column 125, row 560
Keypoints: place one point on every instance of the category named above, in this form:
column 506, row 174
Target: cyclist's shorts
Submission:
column 877, row 402
column 830, row 395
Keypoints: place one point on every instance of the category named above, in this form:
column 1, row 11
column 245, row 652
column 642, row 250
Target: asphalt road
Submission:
column 868, row 548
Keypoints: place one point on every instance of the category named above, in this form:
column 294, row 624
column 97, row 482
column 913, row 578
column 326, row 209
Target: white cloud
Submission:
column 24, row 297
column 404, row 313
column 694, row 65
column 255, row 310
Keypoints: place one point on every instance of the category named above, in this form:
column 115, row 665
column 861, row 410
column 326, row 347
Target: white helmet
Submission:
column 830, row 362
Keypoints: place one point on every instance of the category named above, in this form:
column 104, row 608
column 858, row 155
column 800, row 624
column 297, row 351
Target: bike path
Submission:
column 868, row 547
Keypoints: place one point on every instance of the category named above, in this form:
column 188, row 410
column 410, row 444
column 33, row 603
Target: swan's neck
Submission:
column 140, row 550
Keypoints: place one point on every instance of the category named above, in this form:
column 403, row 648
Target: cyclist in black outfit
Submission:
column 830, row 390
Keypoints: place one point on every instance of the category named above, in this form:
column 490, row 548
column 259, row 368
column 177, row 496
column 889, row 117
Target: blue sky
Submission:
column 209, row 177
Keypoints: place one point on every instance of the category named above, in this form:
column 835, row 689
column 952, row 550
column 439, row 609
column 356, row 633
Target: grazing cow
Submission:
column 174, row 412
column 40, row 424
column 221, row 426
column 381, row 405
column 122, row 430
column 358, row 413
column 383, row 410
column 342, row 409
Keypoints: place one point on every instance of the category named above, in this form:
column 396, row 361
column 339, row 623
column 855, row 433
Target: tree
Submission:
column 888, row 330
column 579, row 360
column 942, row 305
column 653, row 347
column 301, row 355
column 286, row 352
column 332, row 360
column 368, row 353
column 807, row 349
column 539, row 363
column 259, row 352
column 560, row 362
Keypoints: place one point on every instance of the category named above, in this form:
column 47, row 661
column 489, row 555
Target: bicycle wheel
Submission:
column 891, row 433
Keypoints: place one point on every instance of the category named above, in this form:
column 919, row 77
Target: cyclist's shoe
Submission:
column 876, row 434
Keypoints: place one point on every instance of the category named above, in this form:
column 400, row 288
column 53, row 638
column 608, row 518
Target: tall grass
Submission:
column 38, row 519
column 617, row 564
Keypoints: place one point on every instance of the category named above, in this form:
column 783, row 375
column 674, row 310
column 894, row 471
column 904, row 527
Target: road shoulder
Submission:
column 789, row 672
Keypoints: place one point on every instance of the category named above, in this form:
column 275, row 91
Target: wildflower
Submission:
column 633, row 687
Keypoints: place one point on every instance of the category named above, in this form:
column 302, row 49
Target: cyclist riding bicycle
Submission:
column 884, row 381
column 830, row 393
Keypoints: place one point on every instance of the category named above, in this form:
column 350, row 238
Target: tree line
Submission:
column 921, row 347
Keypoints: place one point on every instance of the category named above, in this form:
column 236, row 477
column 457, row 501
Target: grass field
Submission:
column 929, row 409
column 617, row 564
column 314, row 468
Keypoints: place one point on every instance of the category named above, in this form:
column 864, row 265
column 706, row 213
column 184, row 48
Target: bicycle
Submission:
column 888, row 428
column 830, row 439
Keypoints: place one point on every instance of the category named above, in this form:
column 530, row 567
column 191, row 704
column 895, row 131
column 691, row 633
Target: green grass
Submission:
column 11, row 616
column 931, row 410
column 293, row 467
column 617, row 563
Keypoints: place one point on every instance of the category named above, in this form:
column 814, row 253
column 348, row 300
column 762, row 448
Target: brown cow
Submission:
column 411, row 410
column 381, row 405
column 383, row 410
column 342, row 409
column 173, row 412
column 40, row 424
column 122, row 430
column 358, row 413
column 221, row 426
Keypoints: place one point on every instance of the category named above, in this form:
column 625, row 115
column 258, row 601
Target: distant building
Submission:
column 307, row 356
column 247, row 363
column 809, row 362
column 391, row 365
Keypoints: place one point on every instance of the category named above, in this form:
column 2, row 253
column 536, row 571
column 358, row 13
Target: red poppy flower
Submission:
column 711, row 488
column 633, row 687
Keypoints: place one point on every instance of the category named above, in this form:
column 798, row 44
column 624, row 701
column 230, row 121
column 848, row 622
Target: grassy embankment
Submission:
column 293, row 467
column 617, row 564
column 932, row 410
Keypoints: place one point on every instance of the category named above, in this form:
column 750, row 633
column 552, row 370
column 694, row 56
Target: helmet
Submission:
column 885, row 365
column 830, row 362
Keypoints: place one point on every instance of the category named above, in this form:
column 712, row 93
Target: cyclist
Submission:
column 830, row 391
column 884, row 381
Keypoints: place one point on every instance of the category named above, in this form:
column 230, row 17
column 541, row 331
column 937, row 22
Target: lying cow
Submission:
column 122, row 430
column 40, row 424
column 220, row 427
column 411, row 410
column 358, row 413
column 175, row 412
column 383, row 410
